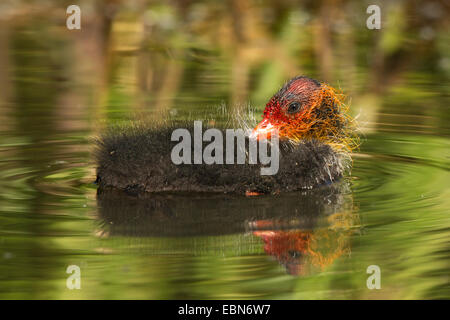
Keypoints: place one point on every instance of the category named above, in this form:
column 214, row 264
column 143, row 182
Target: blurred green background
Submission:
column 60, row 87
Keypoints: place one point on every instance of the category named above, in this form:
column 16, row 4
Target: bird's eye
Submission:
column 294, row 254
column 294, row 107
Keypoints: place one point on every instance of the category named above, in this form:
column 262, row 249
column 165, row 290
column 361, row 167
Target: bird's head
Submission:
column 305, row 109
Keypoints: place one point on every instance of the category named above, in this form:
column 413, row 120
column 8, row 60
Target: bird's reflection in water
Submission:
column 303, row 251
column 304, row 231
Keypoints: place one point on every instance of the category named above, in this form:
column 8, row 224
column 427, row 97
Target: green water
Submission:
column 392, row 210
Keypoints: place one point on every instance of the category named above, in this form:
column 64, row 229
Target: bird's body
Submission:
column 313, row 150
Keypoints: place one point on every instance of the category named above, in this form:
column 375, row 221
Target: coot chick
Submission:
column 309, row 118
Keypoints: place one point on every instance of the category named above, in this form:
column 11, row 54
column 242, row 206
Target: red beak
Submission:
column 263, row 130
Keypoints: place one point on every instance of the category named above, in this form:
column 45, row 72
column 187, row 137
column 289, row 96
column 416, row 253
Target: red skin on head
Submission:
column 277, row 117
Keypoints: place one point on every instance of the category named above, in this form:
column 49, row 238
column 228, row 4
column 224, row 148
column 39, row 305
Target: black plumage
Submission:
column 137, row 160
